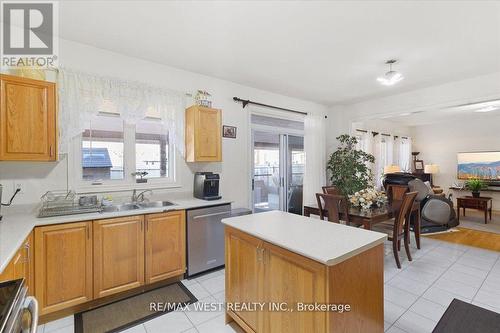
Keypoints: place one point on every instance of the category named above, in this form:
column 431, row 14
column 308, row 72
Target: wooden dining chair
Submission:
column 399, row 228
column 331, row 190
column 334, row 205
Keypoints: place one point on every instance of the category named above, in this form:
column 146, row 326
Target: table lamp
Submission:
column 391, row 169
column 431, row 169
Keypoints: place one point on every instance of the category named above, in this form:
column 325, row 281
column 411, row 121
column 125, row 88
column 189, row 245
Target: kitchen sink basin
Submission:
column 134, row 206
column 153, row 204
column 121, row 208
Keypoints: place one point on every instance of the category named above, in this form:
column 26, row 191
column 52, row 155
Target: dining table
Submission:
column 371, row 216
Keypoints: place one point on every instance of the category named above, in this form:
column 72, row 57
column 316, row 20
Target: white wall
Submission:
column 440, row 143
column 40, row 177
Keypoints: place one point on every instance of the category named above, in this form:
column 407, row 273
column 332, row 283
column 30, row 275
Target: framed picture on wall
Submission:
column 229, row 131
column 418, row 165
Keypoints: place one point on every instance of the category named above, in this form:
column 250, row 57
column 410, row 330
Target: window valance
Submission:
column 83, row 95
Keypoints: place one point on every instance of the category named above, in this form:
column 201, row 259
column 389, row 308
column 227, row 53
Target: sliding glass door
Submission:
column 295, row 163
column 267, row 171
column 278, row 170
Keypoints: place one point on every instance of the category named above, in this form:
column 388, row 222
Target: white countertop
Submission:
column 18, row 221
column 322, row 241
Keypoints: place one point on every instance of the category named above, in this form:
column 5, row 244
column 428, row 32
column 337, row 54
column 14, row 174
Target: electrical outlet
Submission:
column 19, row 185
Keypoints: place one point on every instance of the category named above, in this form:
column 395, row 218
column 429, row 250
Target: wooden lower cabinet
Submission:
column 257, row 271
column 165, row 245
column 118, row 255
column 75, row 263
column 244, row 277
column 22, row 265
column 63, row 265
column 290, row 278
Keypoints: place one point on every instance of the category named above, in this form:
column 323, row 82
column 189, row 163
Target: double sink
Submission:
column 136, row 205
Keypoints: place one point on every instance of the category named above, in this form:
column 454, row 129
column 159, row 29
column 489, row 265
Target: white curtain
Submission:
column 397, row 157
column 405, row 154
column 390, row 150
column 83, row 95
column 315, row 148
column 382, row 155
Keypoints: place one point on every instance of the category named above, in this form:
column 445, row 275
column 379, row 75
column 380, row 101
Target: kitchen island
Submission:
column 289, row 273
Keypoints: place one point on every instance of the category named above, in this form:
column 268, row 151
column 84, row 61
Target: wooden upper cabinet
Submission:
column 165, row 245
column 63, row 265
column 118, row 254
column 28, row 119
column 203, row 134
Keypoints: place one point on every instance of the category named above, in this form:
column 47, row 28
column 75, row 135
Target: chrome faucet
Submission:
column 139, row 197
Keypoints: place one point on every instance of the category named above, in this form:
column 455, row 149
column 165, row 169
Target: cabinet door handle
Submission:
column 210, row 215
column 87, row 231
column 260, row 254
column 28, row 253
column 142, row 225
column 50, row 150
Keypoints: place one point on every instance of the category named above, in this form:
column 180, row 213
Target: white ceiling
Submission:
column 328, row 52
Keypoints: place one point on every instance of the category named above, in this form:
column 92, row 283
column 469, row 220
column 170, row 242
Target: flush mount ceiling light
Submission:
column 391, row 77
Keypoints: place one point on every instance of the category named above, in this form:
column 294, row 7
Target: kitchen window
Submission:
column 111, row 154
column 152, row 153
column 102, row 149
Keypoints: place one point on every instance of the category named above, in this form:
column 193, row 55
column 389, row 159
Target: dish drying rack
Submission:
column 58, row 203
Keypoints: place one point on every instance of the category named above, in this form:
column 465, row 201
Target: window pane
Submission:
column 102, row 149
column 151, row 148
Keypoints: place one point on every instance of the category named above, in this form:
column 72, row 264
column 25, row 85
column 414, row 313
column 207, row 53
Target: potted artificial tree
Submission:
column 475, row 185
column 349, row 168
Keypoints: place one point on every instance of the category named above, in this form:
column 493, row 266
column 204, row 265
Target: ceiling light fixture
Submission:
column 487, row 109
column 391, row 77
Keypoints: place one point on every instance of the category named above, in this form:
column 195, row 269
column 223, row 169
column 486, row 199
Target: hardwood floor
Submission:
column 481, row 239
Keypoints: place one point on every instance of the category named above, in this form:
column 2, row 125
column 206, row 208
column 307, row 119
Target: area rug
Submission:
column 125, row 313
column 470, row 237
column 462, row 317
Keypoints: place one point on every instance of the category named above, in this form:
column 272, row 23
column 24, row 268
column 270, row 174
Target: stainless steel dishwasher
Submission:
column 205, row 238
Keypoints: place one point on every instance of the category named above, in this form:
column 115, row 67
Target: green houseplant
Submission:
column 475, row 185
column 349, row 168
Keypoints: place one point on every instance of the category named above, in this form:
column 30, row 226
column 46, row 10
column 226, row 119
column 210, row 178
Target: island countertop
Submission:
column 322, row 241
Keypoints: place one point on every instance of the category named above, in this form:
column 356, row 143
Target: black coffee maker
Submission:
column 206, row 186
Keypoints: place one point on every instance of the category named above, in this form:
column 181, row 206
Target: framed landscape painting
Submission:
column 482, row 165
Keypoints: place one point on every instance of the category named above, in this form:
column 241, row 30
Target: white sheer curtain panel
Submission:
column 83, row 95
column 405, row 154
column 379, row 153
column 396, row 158
column 389, row 139
column 314, row 145
column 368, row 142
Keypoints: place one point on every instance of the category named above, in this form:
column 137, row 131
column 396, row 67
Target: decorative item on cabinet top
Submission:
column 203, row 98
column 203, row 128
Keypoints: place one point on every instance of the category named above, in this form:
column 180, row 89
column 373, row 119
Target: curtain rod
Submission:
column 384, row 134
column 245, row 102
